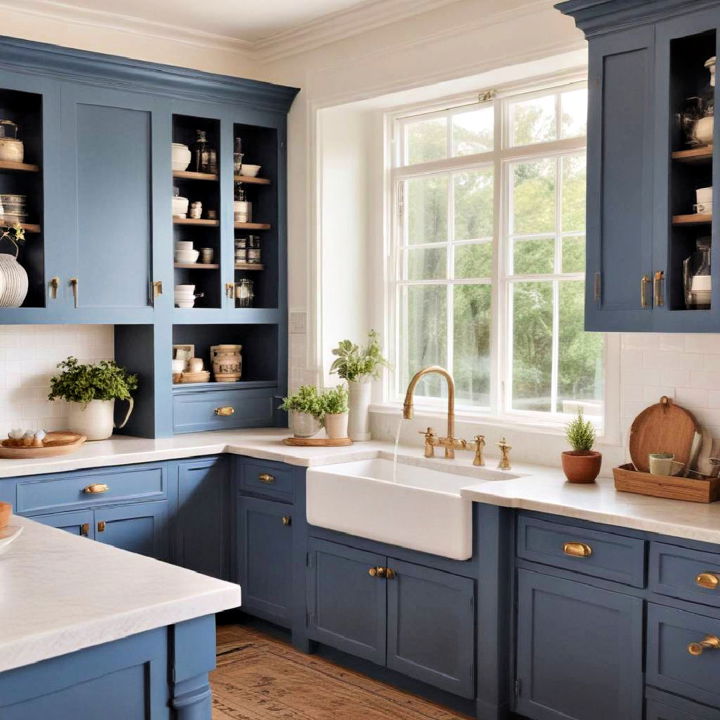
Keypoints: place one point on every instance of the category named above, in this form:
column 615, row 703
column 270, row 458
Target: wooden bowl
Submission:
column 5, row 513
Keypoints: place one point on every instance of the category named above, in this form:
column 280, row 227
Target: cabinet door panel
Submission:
column 579, row 650
column 139, row 528
column 202, row 522
column 347, row 606
column 265, row 558
column 76, row 523
column 431, row 627
column 620, row 206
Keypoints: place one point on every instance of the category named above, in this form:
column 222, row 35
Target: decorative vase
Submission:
column 336, row 425
column 304, row 425
column 581, row 466
column 359, row 420
column 181, row 157
column 226, row 362
column 14, row 284
column 95, row 419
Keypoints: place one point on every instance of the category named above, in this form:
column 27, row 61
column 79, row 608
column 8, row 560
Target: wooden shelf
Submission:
column 196, row 266
column 694, row 155
column 694, row 219
column 251, row 226
column 193, row 221
column 251, row 180
column 27, row 227
column 188, row 175
column 249, row 266
column 21, row 167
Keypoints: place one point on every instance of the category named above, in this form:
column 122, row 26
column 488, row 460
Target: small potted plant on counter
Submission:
column 335, row 407
column 91, row 392
column 358, row 365
column 306, row 411
column 582, row 463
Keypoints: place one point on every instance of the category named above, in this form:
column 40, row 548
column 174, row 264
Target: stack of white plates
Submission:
column 185, row 252
column 184, row 296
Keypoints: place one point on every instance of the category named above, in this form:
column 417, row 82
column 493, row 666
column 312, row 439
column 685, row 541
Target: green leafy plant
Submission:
column 580, row 434
column 82, row 383
column 305, row 400
column 353, row 362
column 335, row 400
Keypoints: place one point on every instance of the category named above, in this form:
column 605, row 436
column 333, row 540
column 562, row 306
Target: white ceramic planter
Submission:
column 95, row 420
column 304, row 425
column 336, row 425
column 359, row 421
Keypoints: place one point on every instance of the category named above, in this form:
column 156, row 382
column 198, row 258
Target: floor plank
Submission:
column 259, row 677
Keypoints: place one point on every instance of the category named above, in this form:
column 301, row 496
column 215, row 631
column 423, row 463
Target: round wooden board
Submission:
column 664, row 427
column 56, row 443
column 318, row 442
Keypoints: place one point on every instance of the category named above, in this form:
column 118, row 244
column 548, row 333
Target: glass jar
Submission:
column 237, row 157
column 697, row 277
column 245, row 293
column 254, row 255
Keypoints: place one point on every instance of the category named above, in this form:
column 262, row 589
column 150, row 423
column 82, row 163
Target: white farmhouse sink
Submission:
column 419, row 508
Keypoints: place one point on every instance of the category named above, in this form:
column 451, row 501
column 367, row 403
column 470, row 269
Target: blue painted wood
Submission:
column 121, row 680
column 663, row 706
column 347, row 607
column 64, row 491
column 430, row 627
column 579, row 651
column 613, row 557
column 669, row 664
column 79, row 522
column 619, row 184
column 202, row 526
column 140, row 528
column 673, row 570
column 280, row 485
column 265, row 552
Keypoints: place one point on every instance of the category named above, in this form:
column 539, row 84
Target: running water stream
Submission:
column 395, row 455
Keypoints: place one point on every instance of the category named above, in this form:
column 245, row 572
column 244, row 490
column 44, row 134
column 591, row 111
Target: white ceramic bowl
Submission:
column 185, row 288
column 180, row 156
column 250, row 170
column 185, row 303
column 180, row 206
column 184, row 245
column 184, row 298
column 187, row 256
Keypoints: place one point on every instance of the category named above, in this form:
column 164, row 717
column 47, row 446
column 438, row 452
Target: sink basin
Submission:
column 419, row 508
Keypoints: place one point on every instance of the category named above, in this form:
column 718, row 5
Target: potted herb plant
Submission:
column 359, row 365
column 306, row 411
column 335, row 407
column 91, row 391
column 582, row 463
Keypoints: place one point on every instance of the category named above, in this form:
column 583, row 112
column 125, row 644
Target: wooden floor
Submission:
column 259, row 677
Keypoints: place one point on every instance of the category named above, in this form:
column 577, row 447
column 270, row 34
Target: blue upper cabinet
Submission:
column 646, row 162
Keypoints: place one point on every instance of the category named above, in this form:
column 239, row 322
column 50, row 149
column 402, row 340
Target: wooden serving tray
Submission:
column 318, row 442
column 672, row 487
column 56, row 443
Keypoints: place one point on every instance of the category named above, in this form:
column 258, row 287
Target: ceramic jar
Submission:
column 226, row 362
column 181, row 157
column 359, row 401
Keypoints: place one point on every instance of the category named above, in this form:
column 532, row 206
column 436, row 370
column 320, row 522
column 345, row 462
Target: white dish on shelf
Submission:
column 180, row 156
column 184, row 303
column 8, row 535
column 184, row 245
column 186, row 256
column 250, row 170
column 180, row 206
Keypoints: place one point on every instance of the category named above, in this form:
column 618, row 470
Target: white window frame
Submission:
column 501, row 282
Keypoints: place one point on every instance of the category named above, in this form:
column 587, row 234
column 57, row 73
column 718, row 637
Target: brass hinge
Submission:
column 156, row 289
column 597, row 287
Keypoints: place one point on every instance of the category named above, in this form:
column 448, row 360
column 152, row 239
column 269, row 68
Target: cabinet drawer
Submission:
column 195, row 411
column 271, row 479
column 674, row 662
column 51, row 492
column 687, row 574
column 663, row 706
column 592, row 552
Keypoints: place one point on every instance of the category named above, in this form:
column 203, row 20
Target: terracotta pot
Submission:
column 336, row 425
column 581, row 466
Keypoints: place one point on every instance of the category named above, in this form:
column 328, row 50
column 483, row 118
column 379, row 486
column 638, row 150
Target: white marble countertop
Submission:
column 60, row 593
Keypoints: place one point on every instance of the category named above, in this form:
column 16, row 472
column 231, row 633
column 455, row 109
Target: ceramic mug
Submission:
column 664, row 464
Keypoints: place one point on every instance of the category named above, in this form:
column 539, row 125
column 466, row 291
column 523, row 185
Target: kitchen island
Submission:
column 90, row 631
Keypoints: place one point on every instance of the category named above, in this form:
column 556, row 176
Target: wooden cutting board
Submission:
column 5, row 512
column 662, row 428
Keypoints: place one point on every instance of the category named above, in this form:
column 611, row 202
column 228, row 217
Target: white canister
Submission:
column 243, row 211
column 12, row 150
column 336, row 425
column 95, row 419
column 359, row 400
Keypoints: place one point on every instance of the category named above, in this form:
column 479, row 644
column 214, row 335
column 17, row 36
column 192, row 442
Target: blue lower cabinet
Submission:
column 140, row 528
column 202, row 524
column 430, row 627
column 347, row 606
column 663, row 706
column 579, row 651
column 265, row 547
column 80, row 522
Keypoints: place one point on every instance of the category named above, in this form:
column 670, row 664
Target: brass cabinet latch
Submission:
column 101, row 526
column 658, row 294
column 230, row 289
column 156, row 289
column 75, row 285
column 54, row 285
column 644, row 282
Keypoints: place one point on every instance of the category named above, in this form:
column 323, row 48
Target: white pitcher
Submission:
column 95, row 419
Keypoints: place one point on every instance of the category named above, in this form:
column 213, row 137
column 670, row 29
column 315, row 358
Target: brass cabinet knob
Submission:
column 709, row 581
column 378, row 572
column 390, row 574
column 710, row 642
column 85, row 529
column 576, row 549
column 266, row 478
column 101, row 526
column 96, row 489
column 286, row 520
column 226, row 411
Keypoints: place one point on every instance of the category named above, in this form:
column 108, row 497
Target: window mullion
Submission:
column 498, row 316
column 450, row 274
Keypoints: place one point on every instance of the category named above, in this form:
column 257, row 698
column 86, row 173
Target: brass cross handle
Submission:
column 429, row 444
column 479, row 460
column 710, row 642
column 505, row 449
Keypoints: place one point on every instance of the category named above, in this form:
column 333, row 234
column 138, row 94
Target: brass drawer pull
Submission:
column 101, row 526
column 85, row 529
column 286, row 520
column 378, row 572
column 390, row 574
column 576, row 549
column 226, row 411
column 644, row 282
column 96, row 489
column 710, row 642
column 266, row 478
column 707, row 580
column 75, row 285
